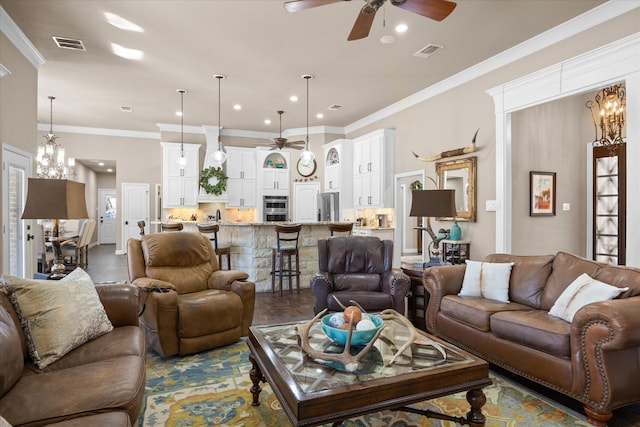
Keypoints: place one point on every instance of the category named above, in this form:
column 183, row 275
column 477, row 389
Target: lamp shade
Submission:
column 433, row 203
column 55, row 199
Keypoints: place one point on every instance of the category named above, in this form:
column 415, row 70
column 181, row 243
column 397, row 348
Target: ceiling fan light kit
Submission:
column 432, row 9
column 219, row 156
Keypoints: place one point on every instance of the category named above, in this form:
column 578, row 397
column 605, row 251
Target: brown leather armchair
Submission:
column 358, row 268
column 190, row 305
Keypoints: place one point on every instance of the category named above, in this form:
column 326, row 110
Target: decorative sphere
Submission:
column 365, row 324
column 336, row 320
column 352, row 312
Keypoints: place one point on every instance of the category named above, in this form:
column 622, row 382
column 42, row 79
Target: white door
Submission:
column 305, row 201
column 108, row 214
column 135, row 207
column 18, row 251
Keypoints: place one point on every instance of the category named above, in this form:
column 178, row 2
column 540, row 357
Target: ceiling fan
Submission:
column 433, row 9
column 281, row 142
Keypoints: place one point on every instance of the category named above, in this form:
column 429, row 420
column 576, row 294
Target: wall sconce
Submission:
column 611, row 103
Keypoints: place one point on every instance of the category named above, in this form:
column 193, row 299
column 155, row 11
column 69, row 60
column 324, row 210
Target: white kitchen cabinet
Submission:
column 305, row 201
column 180, row 186
column 338, row 171
column 373, row 169
column 241, row 170
column 274, row 171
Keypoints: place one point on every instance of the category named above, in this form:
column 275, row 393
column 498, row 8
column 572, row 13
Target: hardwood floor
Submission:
column 106, row 266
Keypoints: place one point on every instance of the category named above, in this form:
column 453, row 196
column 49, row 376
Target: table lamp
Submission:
column 428, row 203
column 55, row 199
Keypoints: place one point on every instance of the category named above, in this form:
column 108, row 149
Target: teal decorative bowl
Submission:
column 359, row 338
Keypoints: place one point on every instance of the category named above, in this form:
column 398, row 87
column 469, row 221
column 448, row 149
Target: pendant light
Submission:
column 307, row 156
column 219, row 156
column 182, row 160
column 50, row 157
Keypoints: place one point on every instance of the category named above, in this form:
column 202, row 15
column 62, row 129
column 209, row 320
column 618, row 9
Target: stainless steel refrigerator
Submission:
column 328, row 207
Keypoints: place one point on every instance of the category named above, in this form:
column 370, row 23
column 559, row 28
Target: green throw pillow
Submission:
column 57, row 316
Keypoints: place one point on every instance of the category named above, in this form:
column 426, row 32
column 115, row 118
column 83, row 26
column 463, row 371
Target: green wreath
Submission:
column 209, row 173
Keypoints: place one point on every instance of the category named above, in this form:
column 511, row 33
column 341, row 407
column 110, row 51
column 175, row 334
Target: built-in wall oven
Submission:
column 275, row 209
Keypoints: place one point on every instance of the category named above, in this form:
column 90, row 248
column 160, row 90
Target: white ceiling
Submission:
column 264, row 51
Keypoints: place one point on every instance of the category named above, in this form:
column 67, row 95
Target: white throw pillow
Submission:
column 57, row 316
column 582, row 291
column 487, row 280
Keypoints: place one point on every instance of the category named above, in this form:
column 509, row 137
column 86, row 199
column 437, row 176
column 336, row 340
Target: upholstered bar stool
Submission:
column 287, row 237
column 341, row 228
column 171, row 226
column 211, row 232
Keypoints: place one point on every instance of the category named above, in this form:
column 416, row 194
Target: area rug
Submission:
column 212, row 389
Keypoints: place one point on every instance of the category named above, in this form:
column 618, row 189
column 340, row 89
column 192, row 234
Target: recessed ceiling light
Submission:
column 267, row 122
column 293, row 98
column 402, row 28
column 179, row 113
column 320, row 115
column 100, row 164
column 237, row 107
column 123, row 24
column 126, row 53
column 387, row 39
column 109, row 170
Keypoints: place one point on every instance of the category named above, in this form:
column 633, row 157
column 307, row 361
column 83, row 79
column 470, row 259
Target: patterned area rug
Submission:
column 212, row 389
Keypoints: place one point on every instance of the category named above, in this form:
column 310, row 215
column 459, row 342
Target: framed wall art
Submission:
column 542, row 192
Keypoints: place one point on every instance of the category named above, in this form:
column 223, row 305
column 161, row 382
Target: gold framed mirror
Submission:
column 460, row 175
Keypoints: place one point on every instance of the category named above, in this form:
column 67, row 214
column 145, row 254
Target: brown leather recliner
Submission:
column 358, row 268
column 190, row 305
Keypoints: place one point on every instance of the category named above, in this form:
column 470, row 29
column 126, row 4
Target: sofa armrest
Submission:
column 397, row 284
column 438, row 282
column 321, row 285
column 605, row 341
column 222, row 279
column 120, row 302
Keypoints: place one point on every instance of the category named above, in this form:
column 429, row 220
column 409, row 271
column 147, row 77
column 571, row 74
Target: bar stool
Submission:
column 211, row 231
column 286, row 246
column 171, row 226
column 141, row 225
column 335, row 227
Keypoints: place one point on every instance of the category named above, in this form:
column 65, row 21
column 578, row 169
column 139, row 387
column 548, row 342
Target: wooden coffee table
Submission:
column 314, row 392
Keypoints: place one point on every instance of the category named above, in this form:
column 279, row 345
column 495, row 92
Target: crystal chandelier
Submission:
column 611, row 102
column 50, row 157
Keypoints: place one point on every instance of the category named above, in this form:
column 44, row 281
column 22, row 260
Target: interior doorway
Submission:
column 108, row 215
column 135, row 207
column 18, row 256
column 407, row 239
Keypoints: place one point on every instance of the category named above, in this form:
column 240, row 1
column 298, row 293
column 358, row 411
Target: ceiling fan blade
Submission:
column 434, row 9
column 363, row 23
column 296, row 5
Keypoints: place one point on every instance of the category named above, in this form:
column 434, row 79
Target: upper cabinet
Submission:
column 338, row 171
column 180, row 186
column 241, row 170
column 274, row 171
column 373, row 169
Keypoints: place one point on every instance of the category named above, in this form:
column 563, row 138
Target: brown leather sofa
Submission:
column 190, row 305
column 595, row 359
column 358, row 268
column 99, row 383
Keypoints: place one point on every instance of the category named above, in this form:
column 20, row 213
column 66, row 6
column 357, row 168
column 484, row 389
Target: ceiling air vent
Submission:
column 66, row 43
column 334, row 107
column 126, row 109
column 428, row 50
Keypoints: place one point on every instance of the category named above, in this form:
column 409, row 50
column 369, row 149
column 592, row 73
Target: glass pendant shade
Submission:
column 307, row 156
column 182, row 160
column 219, row 156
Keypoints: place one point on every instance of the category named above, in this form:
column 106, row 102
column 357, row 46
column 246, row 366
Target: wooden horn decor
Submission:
column 451, row 153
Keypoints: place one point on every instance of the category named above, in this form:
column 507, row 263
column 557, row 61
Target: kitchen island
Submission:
column 251, row 244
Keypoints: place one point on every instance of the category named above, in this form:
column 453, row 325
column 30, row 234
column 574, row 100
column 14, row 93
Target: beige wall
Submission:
column 18, row 103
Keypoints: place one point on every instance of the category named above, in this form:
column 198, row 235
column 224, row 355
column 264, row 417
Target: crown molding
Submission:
column 100, row 131
column 19, row 40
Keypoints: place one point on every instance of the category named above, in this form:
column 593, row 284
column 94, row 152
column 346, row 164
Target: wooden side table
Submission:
column 418, row 298
column 456, row 251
